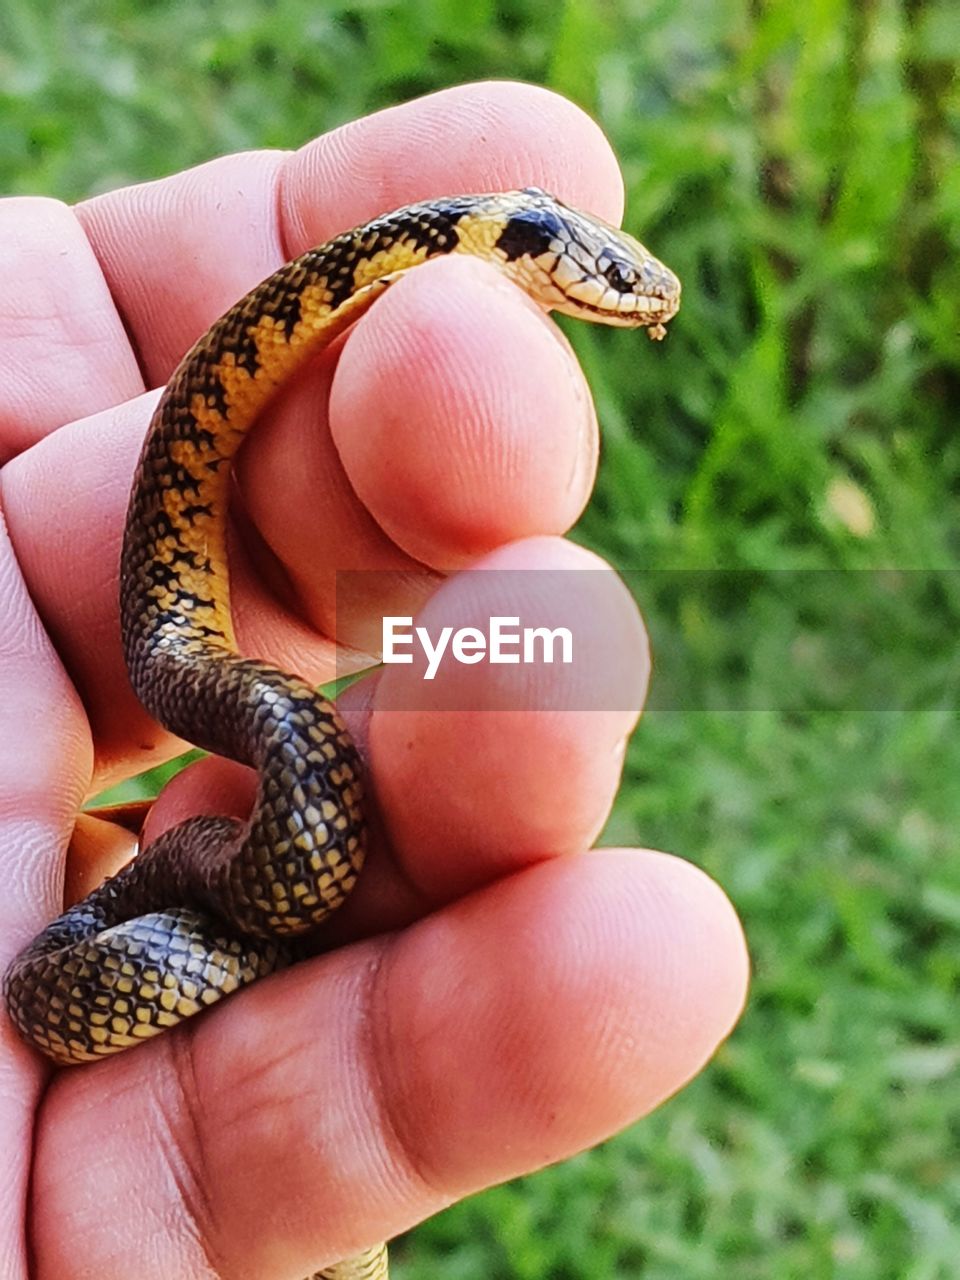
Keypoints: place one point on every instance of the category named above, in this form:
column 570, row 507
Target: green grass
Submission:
column 797, row 164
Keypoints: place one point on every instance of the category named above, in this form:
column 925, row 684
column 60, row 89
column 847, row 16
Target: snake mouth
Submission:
column 658, row 311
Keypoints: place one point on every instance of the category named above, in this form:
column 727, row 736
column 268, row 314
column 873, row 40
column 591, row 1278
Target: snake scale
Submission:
column 214, row 903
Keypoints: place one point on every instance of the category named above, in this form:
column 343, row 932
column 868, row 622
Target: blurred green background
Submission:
column 797, row 164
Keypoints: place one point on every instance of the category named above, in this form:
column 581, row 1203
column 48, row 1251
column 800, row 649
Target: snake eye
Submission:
column 618, row 275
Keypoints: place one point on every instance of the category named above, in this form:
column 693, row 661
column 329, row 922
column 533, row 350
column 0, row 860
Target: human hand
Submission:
column 521, row 999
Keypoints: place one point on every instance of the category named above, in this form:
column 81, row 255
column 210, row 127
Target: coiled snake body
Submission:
column 208, row 907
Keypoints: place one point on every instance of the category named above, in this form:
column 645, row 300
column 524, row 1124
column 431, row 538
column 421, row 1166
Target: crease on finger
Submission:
column 177, row 251
column 186, row 1156
column 378, row 1044
column 46, row 756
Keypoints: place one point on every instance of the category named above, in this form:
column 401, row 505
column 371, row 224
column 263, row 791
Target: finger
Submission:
column 347, row 1099
column 461, row 793
column 460, row 419
column 45, row 759
column 489, row 136
column 66, row 503
column 64, row 351
column 97, row 849
column 486, row 768
column 177, row 252
column 45, row 762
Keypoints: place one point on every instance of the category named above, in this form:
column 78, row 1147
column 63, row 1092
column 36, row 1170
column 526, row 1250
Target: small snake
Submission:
column 213, row 903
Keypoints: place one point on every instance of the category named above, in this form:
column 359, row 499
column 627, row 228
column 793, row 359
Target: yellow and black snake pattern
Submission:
column 214, row 903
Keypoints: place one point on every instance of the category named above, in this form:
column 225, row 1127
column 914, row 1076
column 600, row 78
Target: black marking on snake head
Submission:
column 529, row 233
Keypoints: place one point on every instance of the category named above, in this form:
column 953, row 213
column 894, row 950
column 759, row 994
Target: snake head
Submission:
column 577, row 264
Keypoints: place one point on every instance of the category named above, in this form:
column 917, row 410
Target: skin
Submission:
column 503, row 998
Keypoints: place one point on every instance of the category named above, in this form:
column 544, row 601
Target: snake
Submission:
column 215, row 903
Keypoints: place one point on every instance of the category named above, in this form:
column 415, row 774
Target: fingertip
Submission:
column 566, row 1002
column 492, row 135
column 510, row 763
column 705, row 972
column 462, row 417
